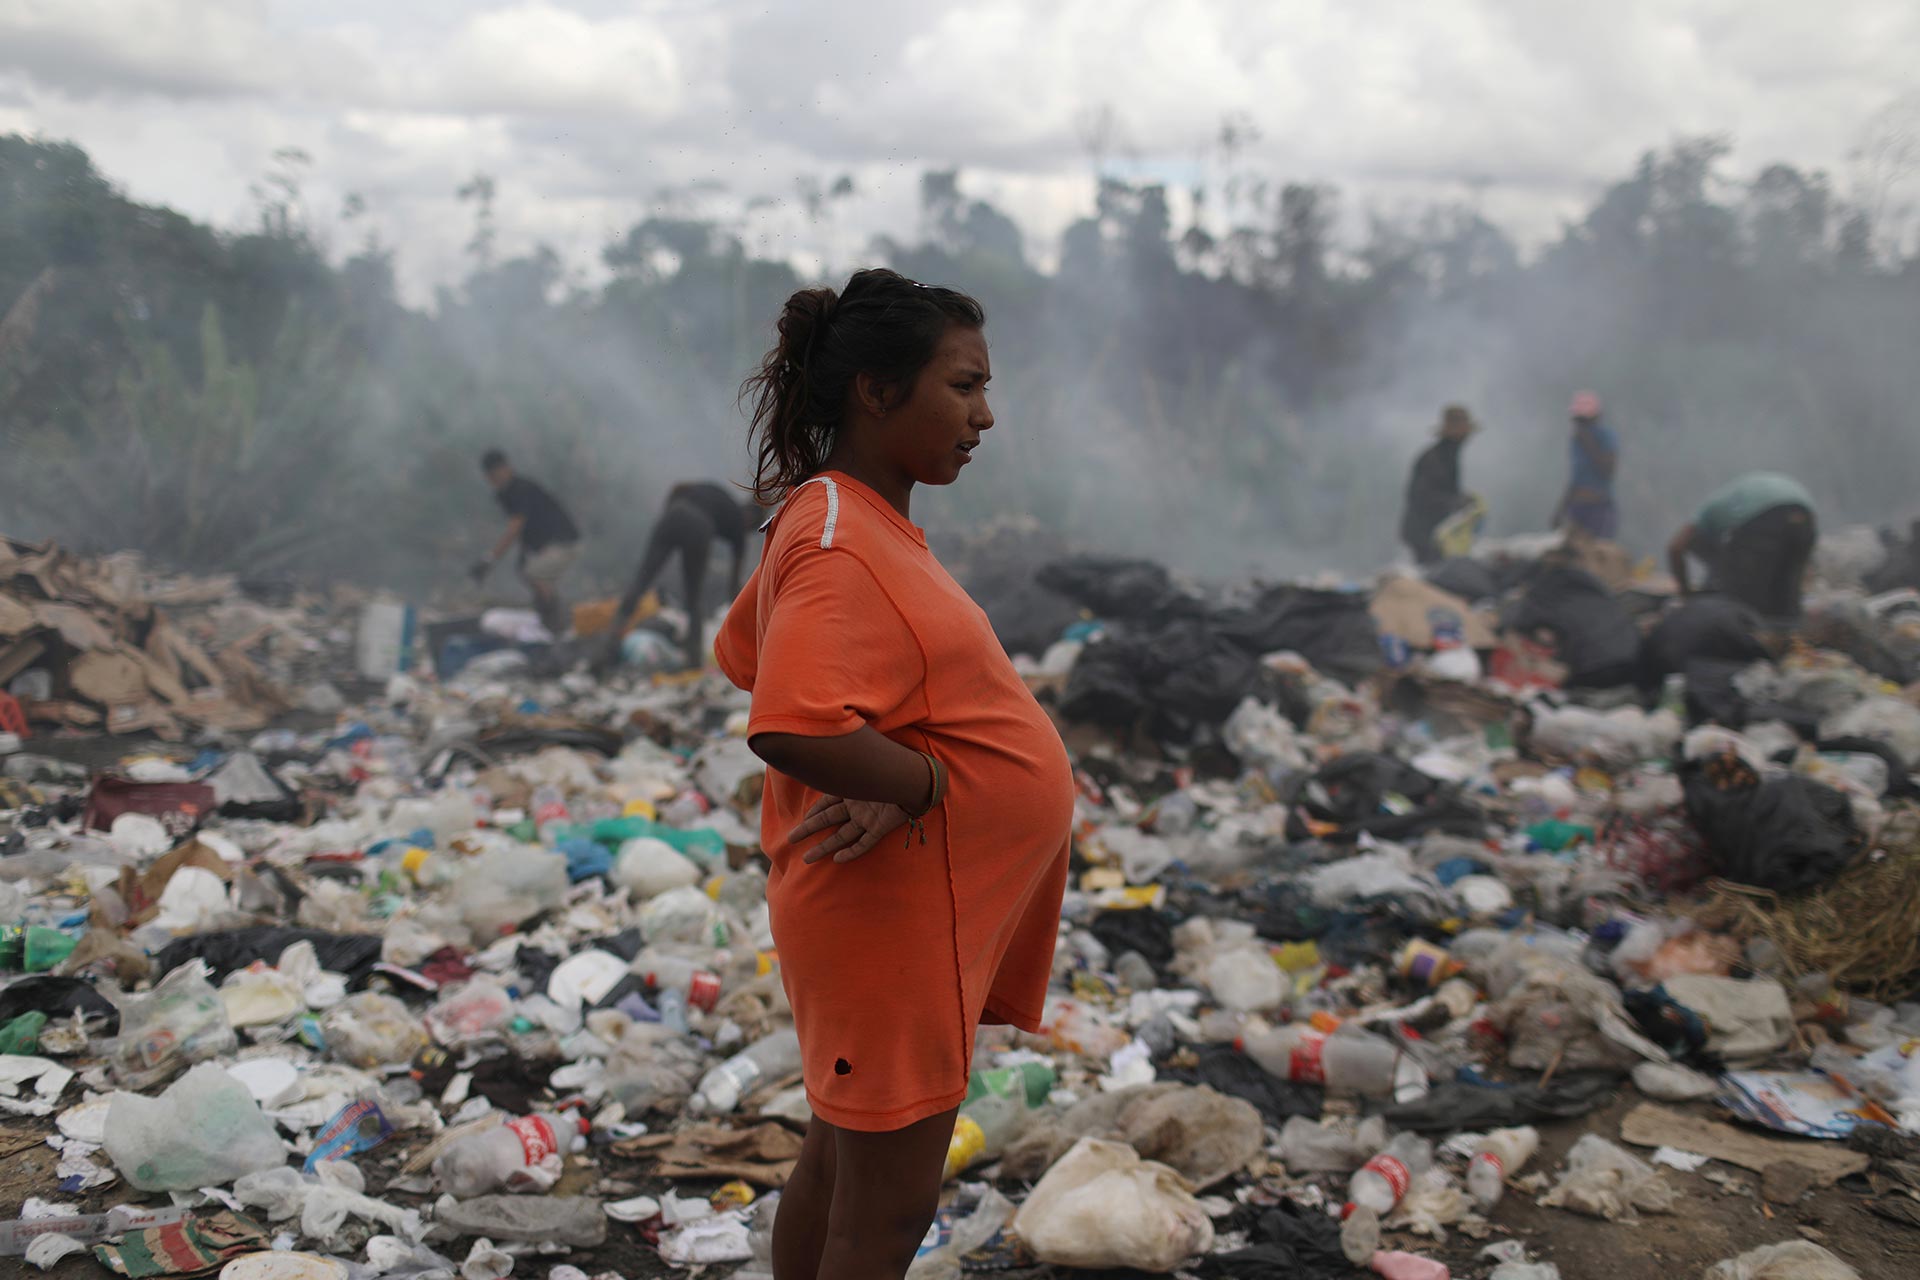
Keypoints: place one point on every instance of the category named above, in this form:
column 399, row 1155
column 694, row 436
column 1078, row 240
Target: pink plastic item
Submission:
column 1408, row 1266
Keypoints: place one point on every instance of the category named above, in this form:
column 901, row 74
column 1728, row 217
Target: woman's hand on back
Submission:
column 857, row 826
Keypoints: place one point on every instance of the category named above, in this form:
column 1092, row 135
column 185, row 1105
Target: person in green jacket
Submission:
column 1755, row 535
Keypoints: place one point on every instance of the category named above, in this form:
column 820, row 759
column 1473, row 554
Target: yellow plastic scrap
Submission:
column 734, row 1195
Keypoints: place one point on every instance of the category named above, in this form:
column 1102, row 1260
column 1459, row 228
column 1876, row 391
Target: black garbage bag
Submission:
column 56, row 997
column 1351, row 792
column 1108, row 684
column 1226, row 1070
column 996, row 564
column 1179, row 675
column 1201, row 676
column 1333, row 630
column 1118, row 589
column 1454, row 1106
column 1286, row 1240
column 1142, row 929
column 1593, row 633
column 224, row 950
column 1784, row 833
column 1465, row 577
column 1715, row 629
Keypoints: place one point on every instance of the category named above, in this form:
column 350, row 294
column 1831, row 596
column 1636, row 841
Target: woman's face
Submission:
column 932, row 434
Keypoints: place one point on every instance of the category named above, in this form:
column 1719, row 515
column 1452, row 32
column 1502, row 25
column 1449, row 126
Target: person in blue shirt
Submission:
column 1755, row 534
column 1588, row 503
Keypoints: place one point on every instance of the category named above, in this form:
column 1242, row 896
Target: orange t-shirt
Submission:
column 892, row 961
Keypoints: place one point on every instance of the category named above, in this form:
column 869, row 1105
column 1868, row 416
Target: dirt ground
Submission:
column 1711, row 1221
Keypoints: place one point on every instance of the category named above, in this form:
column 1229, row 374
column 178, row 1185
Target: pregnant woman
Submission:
column 918, row 801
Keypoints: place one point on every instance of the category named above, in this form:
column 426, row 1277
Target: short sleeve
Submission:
column 735, row 649
column 835, row 653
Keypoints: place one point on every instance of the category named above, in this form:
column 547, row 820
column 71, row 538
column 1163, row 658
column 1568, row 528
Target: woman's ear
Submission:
column 875, row 397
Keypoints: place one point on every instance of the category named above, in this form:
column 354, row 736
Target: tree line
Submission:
column 1226, row 399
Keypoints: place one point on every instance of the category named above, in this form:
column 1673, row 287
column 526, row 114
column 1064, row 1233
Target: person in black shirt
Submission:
column 549, row 540
column 1433, row 491
column 696, row 515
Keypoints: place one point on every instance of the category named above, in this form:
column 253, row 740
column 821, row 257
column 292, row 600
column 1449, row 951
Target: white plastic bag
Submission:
column 1246, row 979
column 648, row 868
column 180, row 1022
column 1101, row 1205
column 1792, row 1260
column 1603, row 1181
column 685, row 915
column 205, row 1130
column 501, row 888
column 1746, row 1021
column 372, row 1030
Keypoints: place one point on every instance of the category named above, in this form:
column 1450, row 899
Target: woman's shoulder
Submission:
column 823, row 515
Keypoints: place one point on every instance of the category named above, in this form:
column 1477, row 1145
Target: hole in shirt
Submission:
column 843, row 1068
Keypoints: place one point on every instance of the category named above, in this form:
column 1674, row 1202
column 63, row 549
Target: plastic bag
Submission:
column 372, row 1030
column 1246, row 979
column 685, row 915
column 180, row 1022
column 653, row 1068
column 471, row 1011
column 1603, row 1181
column 1745, row 1021
column 1889, row 720
column 501, row 888
column 1321, row 1146
column 648, row 868
column 205, row 1130
column 1103, row 1206
column 1792, row 1260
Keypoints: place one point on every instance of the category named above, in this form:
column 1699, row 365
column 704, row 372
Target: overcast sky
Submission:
column 587, row 111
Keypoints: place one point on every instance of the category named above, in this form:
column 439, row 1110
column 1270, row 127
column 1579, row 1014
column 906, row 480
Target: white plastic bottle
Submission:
column 1382, row 1182
column 524, row 1152
column 1347, row 1061
column 772, row 1058
column 1502, row 1153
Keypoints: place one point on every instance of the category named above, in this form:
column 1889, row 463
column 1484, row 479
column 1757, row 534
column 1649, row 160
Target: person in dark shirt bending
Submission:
column 549, row 540
column 697, row 514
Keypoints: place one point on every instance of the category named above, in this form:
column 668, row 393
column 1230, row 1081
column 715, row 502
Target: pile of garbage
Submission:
column 1407, row 921
column 103, row 646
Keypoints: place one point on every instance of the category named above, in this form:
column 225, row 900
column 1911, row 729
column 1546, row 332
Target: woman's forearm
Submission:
column 862, row 765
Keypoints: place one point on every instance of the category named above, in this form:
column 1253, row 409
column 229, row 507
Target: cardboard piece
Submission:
column 1650, row 1125
column 1400, row 608
column 763, row 1154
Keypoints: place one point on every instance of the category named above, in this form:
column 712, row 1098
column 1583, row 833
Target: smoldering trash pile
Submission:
column 1406, row 921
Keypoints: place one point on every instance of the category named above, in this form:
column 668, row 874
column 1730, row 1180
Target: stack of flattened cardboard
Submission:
column 109, row 659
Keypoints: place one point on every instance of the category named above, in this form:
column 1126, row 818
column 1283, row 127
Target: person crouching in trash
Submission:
column 918, row 801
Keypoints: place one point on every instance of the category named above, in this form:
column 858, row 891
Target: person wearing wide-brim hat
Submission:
column 1433, row 491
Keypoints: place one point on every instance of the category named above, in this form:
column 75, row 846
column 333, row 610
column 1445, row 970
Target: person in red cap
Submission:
column 1588, row 502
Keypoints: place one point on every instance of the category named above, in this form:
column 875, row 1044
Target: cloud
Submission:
column 123, row 48
column 538, row 58
column 585, row 110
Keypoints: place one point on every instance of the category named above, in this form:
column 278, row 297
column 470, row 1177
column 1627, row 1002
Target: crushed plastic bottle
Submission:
column 1345, row 1061
column 524, row 1154
column 774, row 1058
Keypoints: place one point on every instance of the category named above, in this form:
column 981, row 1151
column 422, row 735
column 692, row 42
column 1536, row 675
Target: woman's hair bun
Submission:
column 807, row 314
